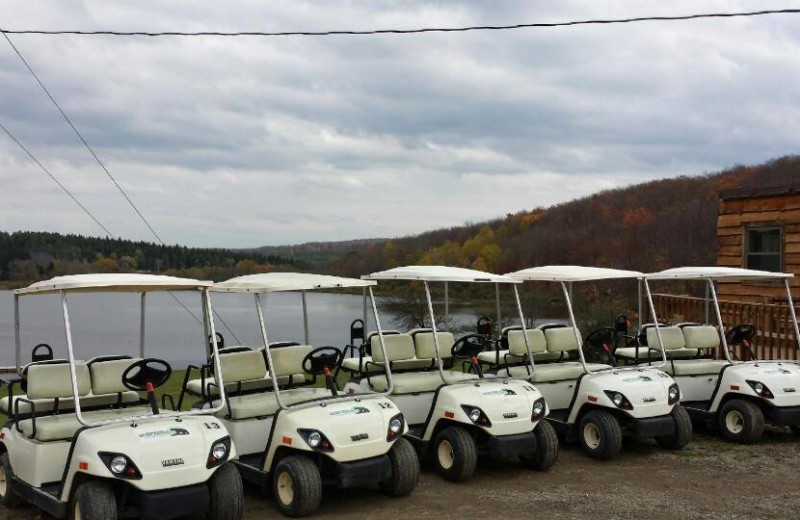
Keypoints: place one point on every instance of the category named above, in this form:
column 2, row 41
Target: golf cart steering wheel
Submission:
column 146, row 375
column 743, row 335
column 220, row 341
column 599, row 345
column 469, row 346
column 322, row 361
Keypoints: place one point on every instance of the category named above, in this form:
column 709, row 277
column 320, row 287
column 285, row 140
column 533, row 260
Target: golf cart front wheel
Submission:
column 94, row 500
column 600, row 435
column 405, row 470
column 741, row 421
column 226, row 494
column 7, row 496
column 546, row 448
column 683, row 430
column 297, row 486
column 455, row 454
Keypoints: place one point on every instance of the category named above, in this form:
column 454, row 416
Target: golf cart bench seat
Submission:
column 245, row 369
column 399, row 348
column 102, row 374
column 679, row 343
column 694, row 367
column 516, row 351
column 417, row 382
column 552, row 372
column 64, row 426
column 265, row 403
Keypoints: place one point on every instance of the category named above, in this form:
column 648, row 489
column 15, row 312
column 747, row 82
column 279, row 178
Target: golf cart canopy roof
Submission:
column 113, row 282
column 572, row 273
column 283, row 282
column 438, row 273
column 715, row 273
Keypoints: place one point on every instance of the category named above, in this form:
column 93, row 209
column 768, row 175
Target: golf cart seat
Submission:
column 106, row 390
column 358, row 365
column 425, row 347
column 695, row 367
column 264, row 404
column 514, row 341
column 674, row 345
column 417, row 382
column 400, row 352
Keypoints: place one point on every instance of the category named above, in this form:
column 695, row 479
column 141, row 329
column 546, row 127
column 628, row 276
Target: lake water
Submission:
column 104, row 324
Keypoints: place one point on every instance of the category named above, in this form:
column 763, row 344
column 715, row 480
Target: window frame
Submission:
column 773, row 226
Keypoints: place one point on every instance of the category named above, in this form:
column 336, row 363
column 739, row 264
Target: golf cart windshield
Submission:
column 258, row 284
column 118, row 283
column 428, row 274
column 566, row 275
column 710, row 275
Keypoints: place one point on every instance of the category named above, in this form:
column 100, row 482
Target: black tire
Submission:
column 7, row 496
column 600, row 435
column 741, row 421
column 683, row 430
column 226, row 494
column 95, row 501
column 455, row 454
column 546, row 448
column 795, row 429
column 405, row 470
column 297, row 486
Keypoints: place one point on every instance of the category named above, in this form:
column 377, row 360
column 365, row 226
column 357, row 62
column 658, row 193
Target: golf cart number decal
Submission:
column 211, row 426
column 637, row 379
column 354, row 410
column 502, row 391
column 385, row 406
column 163, row 433
column 172, row 462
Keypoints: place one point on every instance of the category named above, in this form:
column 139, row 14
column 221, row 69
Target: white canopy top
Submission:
column 113, row 282
column 572, row 273
column 282, row 282
column 715, row 273
column 438, row 273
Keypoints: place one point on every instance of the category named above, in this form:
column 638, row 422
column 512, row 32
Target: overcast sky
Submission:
column 241, row 142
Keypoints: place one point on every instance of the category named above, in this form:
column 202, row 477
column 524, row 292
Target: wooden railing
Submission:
column 774, row 329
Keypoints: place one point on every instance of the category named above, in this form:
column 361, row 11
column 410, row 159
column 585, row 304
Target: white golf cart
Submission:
column 596, row 402
column 81, row 443
column 737, row 396
column 301, row 438
column 454, row 415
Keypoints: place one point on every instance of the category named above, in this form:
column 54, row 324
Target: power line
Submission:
column 409, row 31
column 108, row 173
column 55, row 179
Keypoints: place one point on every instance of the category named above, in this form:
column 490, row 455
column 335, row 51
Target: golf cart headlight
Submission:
column 219, row 452
column 118, row 465
column 619, row 400
column 476, row 415
column 538, row 409
column 674, row 394
column 395, row 427
column 761, row 389
column 316, row 440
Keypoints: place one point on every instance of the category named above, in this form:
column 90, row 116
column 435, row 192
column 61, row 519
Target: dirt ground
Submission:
column 709, row 479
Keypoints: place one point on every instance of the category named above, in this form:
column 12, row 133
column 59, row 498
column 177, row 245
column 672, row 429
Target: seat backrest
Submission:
column 398, row 346
column 560, row 339
column 49, row 380
column 701, row 337
column 516, row 342
column 243, row 365
column 425, row 348
column 671, row 336
column 106, row 374
column 288, row 361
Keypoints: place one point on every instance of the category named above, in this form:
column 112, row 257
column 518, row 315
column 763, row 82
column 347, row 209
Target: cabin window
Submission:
column 764, row 248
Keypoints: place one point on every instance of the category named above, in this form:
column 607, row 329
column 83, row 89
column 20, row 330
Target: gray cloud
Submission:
column 241, row 142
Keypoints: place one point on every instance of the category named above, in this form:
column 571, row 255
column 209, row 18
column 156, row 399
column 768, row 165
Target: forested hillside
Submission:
column 29, row 256
column 647, row 227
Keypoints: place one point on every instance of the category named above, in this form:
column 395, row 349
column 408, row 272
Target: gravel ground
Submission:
column 709, row 479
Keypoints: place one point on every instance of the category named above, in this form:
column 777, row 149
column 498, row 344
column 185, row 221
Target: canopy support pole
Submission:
column 17, row 341
column 364, row 309
column 707, row 307
column 141, row 325
column 305, row 318
column 435, row 334
column 567, row 288
column 655, row 321
column 719, row 320
column 641, row 317
column 792, row 312
column 524, row 335
column 497, row 307
column 262, row 324
column 73, row 376
column 387, row 365
column 206, row 330
column 446, row 301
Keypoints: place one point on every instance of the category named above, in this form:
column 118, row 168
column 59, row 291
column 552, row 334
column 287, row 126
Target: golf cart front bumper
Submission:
column 362, row 472
column 172, row 503
column 785, row 415
column 506, row 446
column 653, row 426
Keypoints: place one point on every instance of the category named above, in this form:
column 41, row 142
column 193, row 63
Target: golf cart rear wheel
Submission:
column 297, row 486
column 405, row 470
column 94, row 500
column 7, row 496
column 600, row 435
column 741, row 421
column 683, row 430
column 546, row 448
column 455, row 454
column 226, row 494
